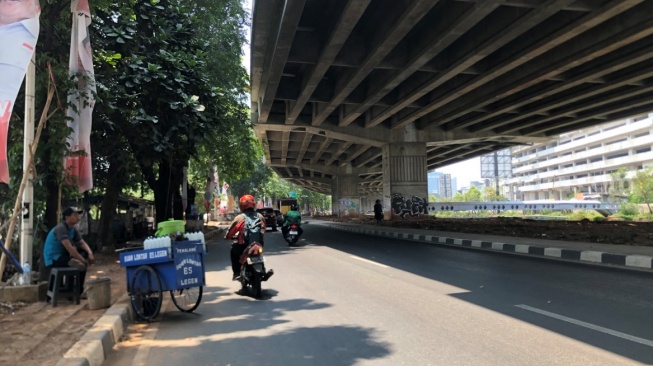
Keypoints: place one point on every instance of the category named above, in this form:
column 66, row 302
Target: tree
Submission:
column 473, row 195
column 161, row 98
column 643, row 187
column 620, row 184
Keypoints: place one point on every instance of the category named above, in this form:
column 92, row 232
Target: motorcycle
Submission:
column 293, row 234
column 252, row 269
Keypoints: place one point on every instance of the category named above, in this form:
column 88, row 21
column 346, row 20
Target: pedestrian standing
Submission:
column 378, row 212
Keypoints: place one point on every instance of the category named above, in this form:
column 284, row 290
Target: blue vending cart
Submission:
column 178, row 269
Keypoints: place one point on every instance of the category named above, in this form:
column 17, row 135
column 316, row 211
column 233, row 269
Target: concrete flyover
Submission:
column 363, row 97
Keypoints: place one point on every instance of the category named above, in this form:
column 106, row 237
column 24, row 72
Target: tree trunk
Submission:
column 108, row 209
column 177, row 177
column 162, row 196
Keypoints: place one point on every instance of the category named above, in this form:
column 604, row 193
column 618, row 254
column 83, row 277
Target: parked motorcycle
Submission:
column 252, row 270
column 293, row 234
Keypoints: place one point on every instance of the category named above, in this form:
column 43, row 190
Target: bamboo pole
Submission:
column 23, row 182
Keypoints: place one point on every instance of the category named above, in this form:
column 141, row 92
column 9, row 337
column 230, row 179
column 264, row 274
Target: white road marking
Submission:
column 369, row 261
column 597, row 328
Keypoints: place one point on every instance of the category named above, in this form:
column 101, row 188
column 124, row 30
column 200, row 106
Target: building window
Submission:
column 614, row 127
column 615, row 141
column 594, row 147
column 641, row 151
column 593, row 133
column 596, row 160
column 643, row 134
column 616, row 156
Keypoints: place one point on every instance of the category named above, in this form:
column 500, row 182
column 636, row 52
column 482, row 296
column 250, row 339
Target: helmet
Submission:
column 293, row 207
column 247, row 202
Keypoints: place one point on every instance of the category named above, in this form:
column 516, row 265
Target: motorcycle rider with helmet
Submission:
column 247, row 207
column 292, row 217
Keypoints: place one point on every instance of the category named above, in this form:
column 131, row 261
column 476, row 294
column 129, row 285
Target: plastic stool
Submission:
column 63, row 280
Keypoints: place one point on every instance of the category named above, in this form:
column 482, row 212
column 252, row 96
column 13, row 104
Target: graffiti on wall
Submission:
column 349, row 207
column 409, row 206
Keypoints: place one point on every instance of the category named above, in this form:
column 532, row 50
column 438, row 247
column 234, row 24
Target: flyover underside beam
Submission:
column 292, row 12
column 555, row 111
column 639, row 73
column 332, row 170
column 474, row 54
column 379, row 136
column 446, row 38
column 586, row 47
column 386, row 40
column 346, row 21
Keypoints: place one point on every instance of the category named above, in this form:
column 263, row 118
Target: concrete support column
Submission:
column 405, row 188
column 345, row 199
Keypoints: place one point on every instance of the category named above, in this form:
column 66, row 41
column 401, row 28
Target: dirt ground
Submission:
column 38, row 334
column 610, row 232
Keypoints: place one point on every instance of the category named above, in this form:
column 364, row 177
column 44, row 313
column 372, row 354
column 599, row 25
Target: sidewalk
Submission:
column 623, row 256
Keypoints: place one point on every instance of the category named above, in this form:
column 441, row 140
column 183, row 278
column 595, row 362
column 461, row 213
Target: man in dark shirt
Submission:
column 59, row 250
column 378, row 212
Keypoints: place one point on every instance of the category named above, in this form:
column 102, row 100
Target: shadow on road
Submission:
column 501, row 283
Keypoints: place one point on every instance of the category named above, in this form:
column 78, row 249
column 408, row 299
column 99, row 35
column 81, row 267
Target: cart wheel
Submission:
column 187, row 299
column 146, row 293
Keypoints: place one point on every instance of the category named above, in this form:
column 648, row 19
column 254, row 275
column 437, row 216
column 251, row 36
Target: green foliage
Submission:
column 462, row 214
column 164, row 94
column 628, row 211
column 473, row 195
column 620, row 185
column 643, row 187
column 579, row 215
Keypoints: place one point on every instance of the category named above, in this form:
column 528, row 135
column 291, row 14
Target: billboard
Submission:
column 497, row 164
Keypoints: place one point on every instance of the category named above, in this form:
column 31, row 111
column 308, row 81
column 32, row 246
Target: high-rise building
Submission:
column 433, row 183
column 446, row 189
column 581, row 161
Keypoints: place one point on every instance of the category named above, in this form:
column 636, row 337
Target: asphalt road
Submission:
column 348, row 299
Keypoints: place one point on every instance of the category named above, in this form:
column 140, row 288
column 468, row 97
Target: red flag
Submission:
column 19, row 31
column 79, row 166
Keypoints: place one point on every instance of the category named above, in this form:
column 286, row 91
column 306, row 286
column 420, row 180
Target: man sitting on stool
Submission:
column 59, row 250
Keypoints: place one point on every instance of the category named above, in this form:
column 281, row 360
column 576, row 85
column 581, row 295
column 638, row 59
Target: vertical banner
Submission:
column 19, row 31
column 81, row 101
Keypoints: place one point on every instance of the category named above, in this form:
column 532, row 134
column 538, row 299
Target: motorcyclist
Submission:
column 292, row 217
column 237, row 231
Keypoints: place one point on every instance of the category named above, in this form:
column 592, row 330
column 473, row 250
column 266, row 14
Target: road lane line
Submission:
column 597, row 328
column 369, row 261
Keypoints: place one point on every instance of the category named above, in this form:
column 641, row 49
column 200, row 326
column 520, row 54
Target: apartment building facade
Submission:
column 581, row 161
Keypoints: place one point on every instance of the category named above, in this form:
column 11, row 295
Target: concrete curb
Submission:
column 96, row 344
column 593, row 257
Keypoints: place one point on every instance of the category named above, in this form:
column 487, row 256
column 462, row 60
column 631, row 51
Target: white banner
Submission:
column 79, row 168
column 19, row 31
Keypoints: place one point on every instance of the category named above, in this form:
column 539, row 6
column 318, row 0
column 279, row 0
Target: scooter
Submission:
column 293, row 234
column 252, row 269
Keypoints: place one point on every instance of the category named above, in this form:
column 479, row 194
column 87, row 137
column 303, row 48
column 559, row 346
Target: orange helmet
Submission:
column 246, row 202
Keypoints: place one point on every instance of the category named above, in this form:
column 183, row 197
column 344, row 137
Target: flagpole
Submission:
column 27, row 229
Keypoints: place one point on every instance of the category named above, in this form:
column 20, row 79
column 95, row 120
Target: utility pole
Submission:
column 27, row 221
